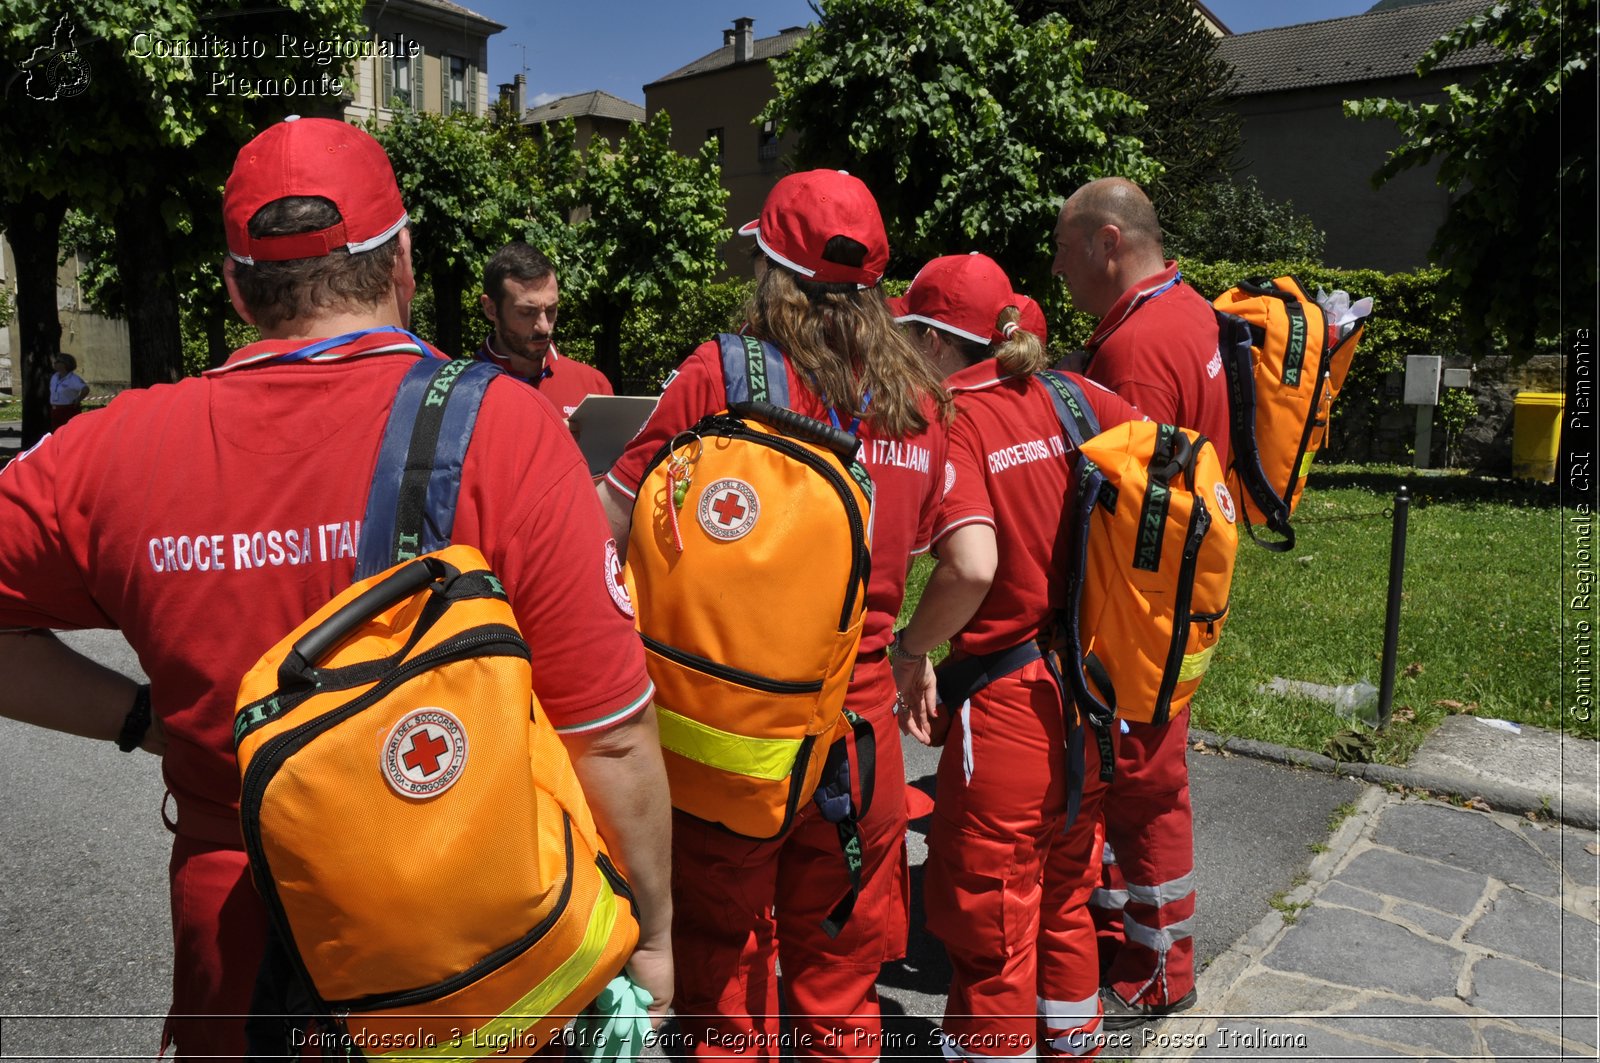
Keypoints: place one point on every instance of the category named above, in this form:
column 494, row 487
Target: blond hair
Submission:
column 845, row 344
column 1020, row 353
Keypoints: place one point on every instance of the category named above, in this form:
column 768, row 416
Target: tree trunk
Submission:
column 33, row 228
column 447, row 289
column 144, row 260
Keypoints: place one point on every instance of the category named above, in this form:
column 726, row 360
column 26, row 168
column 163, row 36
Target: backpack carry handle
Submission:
column 842, row 443
column 316, row 643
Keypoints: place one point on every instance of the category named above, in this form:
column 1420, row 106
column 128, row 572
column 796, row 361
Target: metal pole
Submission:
column 1391, row 622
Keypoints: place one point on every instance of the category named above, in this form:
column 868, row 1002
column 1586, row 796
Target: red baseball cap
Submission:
column 312, row 157
column 962, row 294
column 806, row 210
column 1032, row 319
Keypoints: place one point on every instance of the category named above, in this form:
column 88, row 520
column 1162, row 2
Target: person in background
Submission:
column 746, row 907
column 522, row 299
column 67, row 390
column 1005, row 889
column 207, row 519
column 1156, row 345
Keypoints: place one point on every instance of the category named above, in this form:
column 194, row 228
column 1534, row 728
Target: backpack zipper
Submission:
column 731, row 675
column 272, row 755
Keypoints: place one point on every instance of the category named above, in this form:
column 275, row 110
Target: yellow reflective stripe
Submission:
column 759, row 758
column 1195, row 664
column 1305, row 463
column 510, row 1027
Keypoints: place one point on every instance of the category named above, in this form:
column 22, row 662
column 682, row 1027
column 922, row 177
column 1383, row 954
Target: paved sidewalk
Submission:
column 1424, row 931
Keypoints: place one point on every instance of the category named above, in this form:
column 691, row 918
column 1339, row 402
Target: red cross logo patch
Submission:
column 616, row 582
column 424, row 753
column 728, row 509
column 1224, row 501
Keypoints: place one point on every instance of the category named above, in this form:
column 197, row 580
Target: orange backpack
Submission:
column 749, row 558
column 1283, row 375
column 1150, row 553
column 433, row 876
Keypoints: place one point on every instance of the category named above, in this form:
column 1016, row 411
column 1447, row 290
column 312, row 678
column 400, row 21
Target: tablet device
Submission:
column 603, row 425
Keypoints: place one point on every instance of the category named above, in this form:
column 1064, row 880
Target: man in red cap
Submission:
column 1156, row 346
column 521, row 299
column 206, row 519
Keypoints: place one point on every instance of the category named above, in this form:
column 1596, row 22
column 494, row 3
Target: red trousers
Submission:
column 1144, row 910
column 741, row 908
column 219, row 931
column 1006, row 890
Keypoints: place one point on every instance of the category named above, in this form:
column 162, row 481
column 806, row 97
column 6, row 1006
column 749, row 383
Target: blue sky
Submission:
column 619, row 45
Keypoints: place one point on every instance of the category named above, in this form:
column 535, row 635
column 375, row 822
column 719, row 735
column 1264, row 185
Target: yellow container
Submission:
column 1536, row 434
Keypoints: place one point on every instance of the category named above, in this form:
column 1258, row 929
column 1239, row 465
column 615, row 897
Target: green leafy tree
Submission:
column 647, row 235
column 1511, row 257
column 139, row 139
column 1160, row 53
column 969, row 126
column 1231, row 221
column 465, row 197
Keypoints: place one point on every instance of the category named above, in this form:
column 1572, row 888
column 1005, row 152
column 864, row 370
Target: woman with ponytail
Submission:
column 743, row 906
column 1005, row 889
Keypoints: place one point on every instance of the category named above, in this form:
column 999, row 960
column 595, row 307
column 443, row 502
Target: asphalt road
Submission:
column 83, row 892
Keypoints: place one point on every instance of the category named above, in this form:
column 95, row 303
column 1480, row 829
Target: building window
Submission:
column 399, row 81
column 456, row 86
column 715, row 135
column 767, row 150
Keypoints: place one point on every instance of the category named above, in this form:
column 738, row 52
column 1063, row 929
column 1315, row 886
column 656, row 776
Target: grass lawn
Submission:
column 1479, row 624
column 10, row 408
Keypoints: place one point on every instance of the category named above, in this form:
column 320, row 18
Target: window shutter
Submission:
column 386, row 96
column 418, row 86
column 472, row 89
column 444, row 84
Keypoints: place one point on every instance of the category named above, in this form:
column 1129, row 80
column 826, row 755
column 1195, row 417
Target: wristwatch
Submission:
column 137, row 722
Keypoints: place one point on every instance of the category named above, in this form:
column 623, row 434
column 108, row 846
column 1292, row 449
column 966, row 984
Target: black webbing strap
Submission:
column 833, row 797
column 1072, row 407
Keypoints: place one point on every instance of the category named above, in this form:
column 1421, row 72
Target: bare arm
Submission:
column 967, row 560
column 626, row 786
column 51, row 685
column 619, row 514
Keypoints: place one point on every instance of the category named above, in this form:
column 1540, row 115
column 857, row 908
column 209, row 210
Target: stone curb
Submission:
column 1500, row 797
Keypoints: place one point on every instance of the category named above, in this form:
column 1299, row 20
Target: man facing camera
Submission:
column 521, row 300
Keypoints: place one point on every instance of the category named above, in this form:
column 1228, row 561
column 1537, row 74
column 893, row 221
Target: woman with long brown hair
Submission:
column 742, row 906
column 1005, row 889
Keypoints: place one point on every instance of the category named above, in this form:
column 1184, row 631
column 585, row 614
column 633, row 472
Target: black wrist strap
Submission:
column 137, row 722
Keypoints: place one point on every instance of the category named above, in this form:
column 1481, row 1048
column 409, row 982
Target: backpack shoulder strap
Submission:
column 753, row 370
column 1072, row 406
column 411, row 505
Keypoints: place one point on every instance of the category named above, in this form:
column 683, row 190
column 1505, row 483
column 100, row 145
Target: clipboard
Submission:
column 604, row 424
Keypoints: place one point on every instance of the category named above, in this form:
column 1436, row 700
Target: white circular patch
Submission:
column 614, row 581
column 949, row 476
column 424, row 753
column 728, row 509
column 1224, row 500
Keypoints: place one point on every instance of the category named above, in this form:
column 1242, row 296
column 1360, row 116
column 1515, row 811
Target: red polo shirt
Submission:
column 907, row 475
column 564, row 382
column 1010, row 469
column 1158, row 349
column 208, row 518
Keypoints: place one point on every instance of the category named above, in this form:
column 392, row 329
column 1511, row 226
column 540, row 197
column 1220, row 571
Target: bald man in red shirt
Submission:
column 1156, row 346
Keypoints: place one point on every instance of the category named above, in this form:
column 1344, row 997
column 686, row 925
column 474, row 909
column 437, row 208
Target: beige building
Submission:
column 717, row 97
column 439, row 60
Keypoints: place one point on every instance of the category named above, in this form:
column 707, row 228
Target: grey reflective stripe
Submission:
column 1156, row 939
column 1115, row 900
column 1107, row 854
column 952, row 1051
column 1068, row 1014
column 1166, row 893
column 966, row 739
